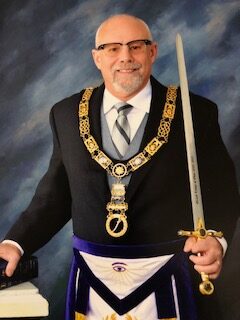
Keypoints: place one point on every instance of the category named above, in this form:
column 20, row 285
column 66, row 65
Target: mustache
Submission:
column 129, row 66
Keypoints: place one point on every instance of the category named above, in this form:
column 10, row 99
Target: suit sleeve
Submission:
column 50, row 208
column 221, row 200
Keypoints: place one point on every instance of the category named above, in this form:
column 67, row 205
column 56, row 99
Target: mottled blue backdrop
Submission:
column 46, row 55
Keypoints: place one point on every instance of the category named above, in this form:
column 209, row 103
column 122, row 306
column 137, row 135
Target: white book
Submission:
column 19, row 289
column 22, row 300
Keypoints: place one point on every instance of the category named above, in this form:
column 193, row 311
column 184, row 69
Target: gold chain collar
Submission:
column 116, row 223
column 120, row 170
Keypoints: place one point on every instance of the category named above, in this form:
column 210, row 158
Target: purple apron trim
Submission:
column 164, row 295
column 71, row 292
column 128, row 251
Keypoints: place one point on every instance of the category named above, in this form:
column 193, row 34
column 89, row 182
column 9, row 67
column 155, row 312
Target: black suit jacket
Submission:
column 76, row 187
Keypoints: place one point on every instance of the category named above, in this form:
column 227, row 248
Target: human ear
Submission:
column 96, row 58
column 153, row 51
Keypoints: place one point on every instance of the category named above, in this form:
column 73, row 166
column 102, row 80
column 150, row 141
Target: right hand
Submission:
column 12, row 255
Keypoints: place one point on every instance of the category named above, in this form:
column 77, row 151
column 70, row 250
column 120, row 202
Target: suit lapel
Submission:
column 94, row 114
column 95, row 127
column 155, row 115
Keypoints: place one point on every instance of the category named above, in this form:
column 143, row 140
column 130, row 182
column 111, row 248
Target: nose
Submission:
column 125, row 54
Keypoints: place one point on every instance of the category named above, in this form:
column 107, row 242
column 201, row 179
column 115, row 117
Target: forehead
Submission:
column 122, row 29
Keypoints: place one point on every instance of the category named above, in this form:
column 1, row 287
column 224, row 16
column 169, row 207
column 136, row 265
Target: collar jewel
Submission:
column 116, row 223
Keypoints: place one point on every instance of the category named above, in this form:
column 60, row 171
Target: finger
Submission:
column 208, row 244
column 201, row 246
column 212, row 270
column 204, row 259
column 12, row 255
column 189, row 244
column 11, row 266
column 214, row 276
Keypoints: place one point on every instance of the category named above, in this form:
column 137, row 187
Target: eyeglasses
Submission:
column 134, row 46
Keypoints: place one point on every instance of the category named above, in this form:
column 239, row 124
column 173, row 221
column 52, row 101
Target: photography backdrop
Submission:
column 45, row 49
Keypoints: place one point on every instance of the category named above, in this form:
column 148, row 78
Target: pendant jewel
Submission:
column 116, row 223
column 120, row 223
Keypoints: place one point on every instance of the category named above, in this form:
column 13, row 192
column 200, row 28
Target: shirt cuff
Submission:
column 224, row 244
column 14, row 243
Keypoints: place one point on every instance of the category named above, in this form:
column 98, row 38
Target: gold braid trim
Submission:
column 114, row 317
column 80, row 316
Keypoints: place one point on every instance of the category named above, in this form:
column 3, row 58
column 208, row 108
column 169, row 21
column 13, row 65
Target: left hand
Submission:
column 207, row 255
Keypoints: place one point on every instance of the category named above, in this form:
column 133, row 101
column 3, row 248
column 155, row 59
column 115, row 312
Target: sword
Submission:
column 206, row 287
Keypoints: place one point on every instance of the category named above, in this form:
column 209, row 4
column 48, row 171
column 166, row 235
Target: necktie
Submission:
column 121, row 129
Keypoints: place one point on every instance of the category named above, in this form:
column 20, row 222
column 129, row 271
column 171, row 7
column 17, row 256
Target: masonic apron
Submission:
column 130, row 282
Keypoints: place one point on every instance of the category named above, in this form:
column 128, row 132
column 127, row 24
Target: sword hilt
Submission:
column 206, row 287
column 200, row 232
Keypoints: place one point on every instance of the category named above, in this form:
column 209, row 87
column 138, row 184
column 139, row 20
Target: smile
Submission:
column 126, row 70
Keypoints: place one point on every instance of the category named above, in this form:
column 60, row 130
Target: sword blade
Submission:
column 195, row 189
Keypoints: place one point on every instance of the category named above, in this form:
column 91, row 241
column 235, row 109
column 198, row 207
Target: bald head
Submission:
column 119, row 23
column 124, row 54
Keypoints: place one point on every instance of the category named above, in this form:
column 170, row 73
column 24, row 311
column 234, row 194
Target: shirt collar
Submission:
column 140, row 101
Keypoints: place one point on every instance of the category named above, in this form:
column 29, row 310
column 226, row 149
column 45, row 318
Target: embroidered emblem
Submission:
column 111, row 317
column 128, row 317
column 119, row 266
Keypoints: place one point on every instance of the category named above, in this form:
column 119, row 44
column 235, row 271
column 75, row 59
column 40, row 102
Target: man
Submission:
column 127, row 206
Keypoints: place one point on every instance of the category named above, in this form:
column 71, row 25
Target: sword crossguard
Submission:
column 201, row 233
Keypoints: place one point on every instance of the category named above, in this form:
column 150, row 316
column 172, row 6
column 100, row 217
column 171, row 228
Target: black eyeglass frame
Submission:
column 146, row 41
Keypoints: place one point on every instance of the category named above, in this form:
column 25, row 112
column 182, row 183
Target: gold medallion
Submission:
column 116, row 224
column 119, row 170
